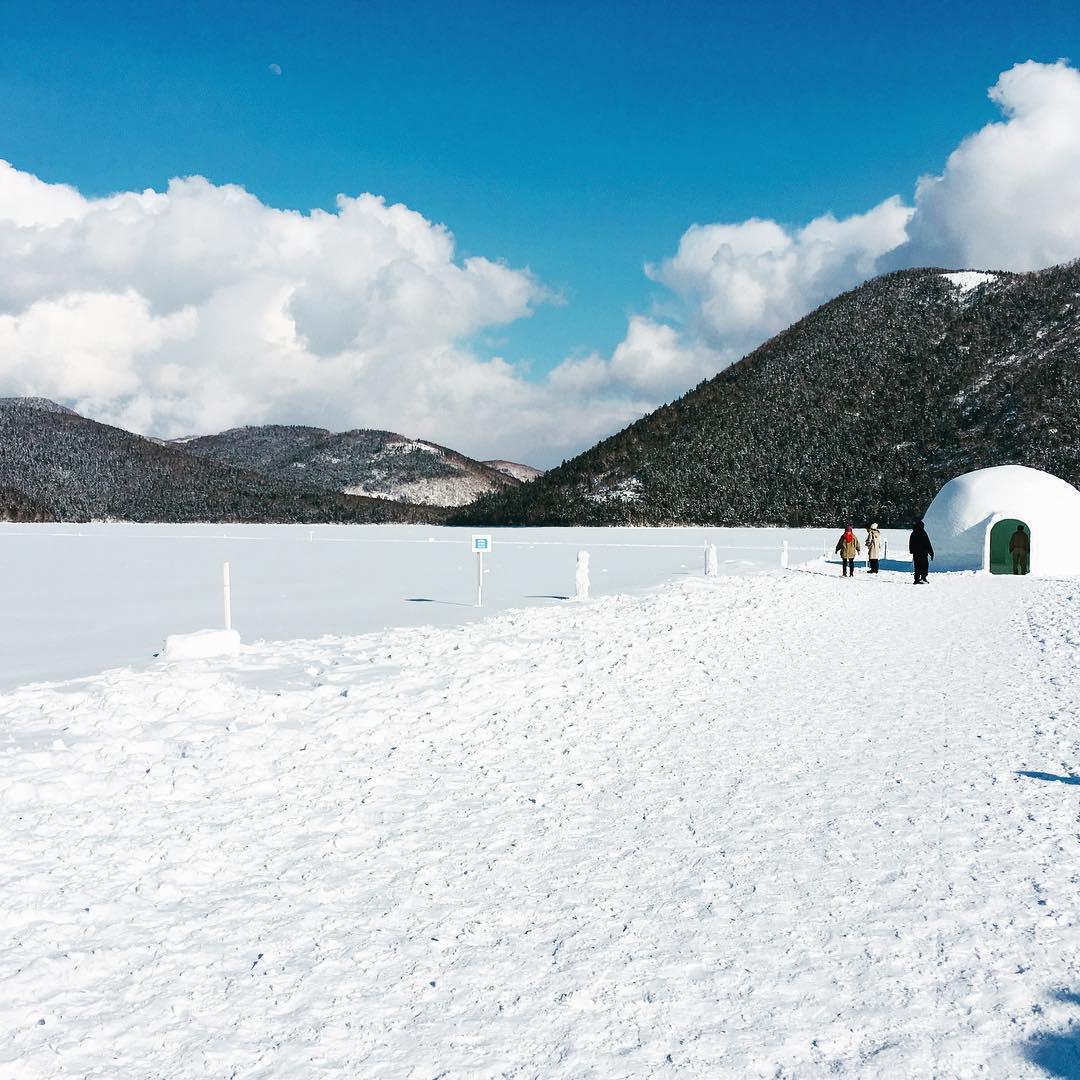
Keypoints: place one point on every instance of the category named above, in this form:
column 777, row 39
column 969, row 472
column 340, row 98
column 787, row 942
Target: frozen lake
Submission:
column 82, row 598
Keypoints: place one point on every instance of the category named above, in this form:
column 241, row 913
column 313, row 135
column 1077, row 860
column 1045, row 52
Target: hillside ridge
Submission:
column 861, row 410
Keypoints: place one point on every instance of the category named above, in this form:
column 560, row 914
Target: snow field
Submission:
column 81, row 598
column 774, row 826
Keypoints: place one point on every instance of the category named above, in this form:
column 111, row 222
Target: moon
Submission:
column 274, row 69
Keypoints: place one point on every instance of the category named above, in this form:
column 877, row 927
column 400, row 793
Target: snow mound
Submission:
column 967, row 280
column 202, row 645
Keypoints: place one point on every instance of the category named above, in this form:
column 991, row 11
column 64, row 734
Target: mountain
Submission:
column 39, row 403
column 57, row 465
column 379, row 464
column 860, row 411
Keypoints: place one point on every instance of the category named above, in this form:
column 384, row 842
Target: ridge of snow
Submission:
column 514, row 469
column 459, row 489
column 404, row 447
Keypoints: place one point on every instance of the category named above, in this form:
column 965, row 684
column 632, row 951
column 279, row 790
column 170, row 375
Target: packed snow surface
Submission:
column 784, row 825
column 80, row 598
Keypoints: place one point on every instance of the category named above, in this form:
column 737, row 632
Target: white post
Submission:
column 479, row 579
column 784, row 555
column 712, row 566
column 886, row 551
column 706, row 557
column 311, row 537
column 228, row 599
column 581, row 576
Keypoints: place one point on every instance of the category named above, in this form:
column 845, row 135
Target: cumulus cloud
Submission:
column 1009, row 196
column 1007, row 199
column 200, row 307
column 744, row 282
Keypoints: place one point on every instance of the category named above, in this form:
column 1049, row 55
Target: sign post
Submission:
column 481, row 543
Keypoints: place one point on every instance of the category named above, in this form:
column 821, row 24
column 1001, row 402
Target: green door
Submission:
column 1001, row 561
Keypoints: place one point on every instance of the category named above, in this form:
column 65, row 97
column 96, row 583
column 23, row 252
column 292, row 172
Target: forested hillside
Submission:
column 861, row 410
column 56, row 465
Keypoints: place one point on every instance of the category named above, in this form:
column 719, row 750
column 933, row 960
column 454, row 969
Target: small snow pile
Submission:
column 968, row 280
column 202, row 645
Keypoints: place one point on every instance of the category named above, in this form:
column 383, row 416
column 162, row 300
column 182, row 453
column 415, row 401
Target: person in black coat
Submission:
column 922, row 551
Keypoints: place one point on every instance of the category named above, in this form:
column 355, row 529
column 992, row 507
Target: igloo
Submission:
column 973, row 518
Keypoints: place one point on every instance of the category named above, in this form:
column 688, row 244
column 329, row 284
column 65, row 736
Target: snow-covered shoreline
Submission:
column 79, row 599
column 783, row 825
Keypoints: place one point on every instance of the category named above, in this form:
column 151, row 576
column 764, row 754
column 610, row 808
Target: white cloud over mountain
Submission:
column 1009, row 196
column 200, row 307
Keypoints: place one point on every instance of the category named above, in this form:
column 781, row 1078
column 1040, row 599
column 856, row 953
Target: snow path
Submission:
column 775, row 826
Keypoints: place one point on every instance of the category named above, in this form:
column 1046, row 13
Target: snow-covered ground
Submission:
column 781, row 825
column 81, row 598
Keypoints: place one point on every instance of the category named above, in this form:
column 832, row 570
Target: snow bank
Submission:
column 202, row 645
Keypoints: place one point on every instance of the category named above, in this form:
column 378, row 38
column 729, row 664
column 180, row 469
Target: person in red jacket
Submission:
column 847, row 547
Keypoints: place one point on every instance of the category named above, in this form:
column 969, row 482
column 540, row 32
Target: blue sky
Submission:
column 577, row 141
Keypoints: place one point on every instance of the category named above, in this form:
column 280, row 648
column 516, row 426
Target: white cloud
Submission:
column 200, row 307
column 1009, row 196
column 85, row 345
column 744, row 282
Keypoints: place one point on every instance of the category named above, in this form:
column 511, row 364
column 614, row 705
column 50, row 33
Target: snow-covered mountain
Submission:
column 378, row 464
column 37, row 404
column 57, row 465
column 860, row 411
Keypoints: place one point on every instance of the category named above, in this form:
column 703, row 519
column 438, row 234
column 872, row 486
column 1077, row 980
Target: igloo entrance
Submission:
column 1001, row 559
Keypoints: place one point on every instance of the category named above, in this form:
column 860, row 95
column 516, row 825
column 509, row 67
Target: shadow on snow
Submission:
column 1057, row 1053
column 1048, row 776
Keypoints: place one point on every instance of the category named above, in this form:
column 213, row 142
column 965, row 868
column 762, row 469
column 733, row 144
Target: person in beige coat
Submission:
column 873, row 548
column 847, row 547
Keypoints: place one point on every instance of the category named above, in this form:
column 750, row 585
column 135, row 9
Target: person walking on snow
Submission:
column 1020, row 547
column 848, row 547
column 873, row 547
column 922, row 551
